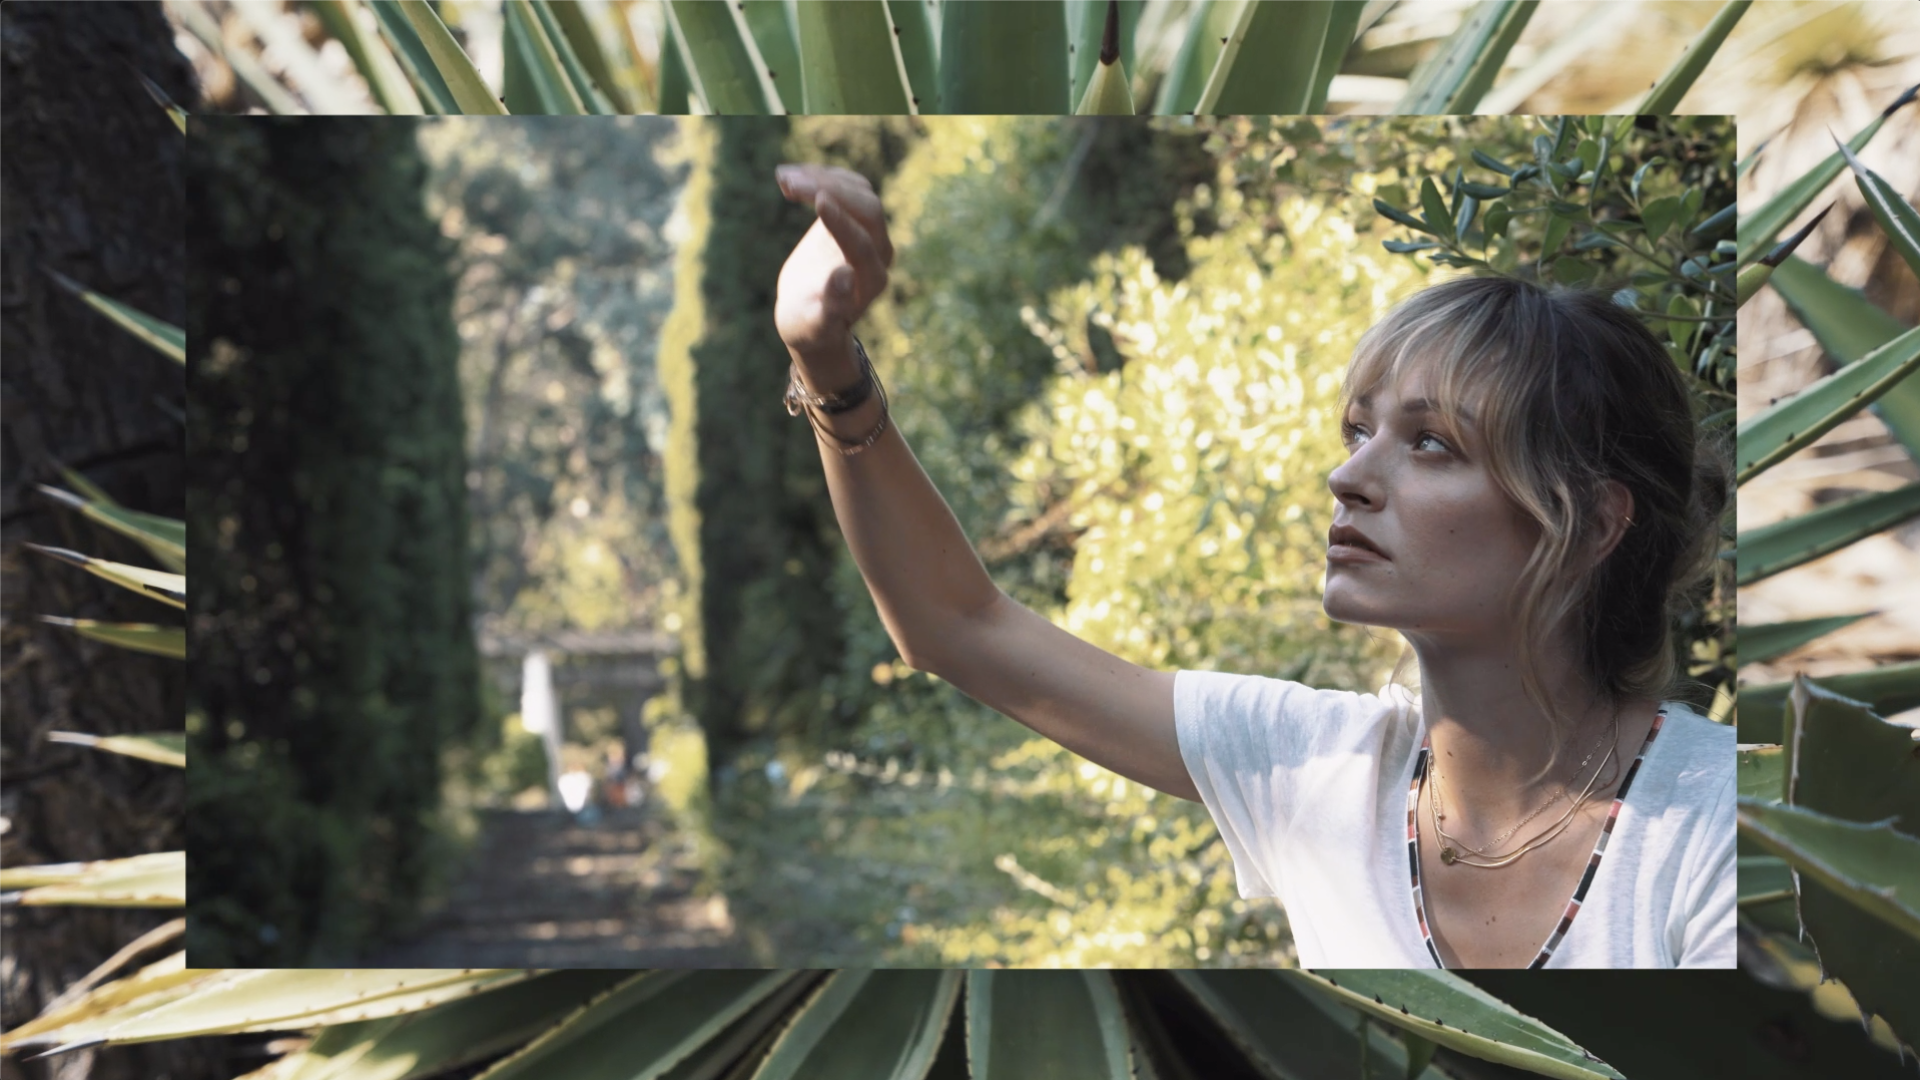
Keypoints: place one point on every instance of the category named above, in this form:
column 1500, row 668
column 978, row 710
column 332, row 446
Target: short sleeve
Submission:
column 1710, row 933
column 1259, row 748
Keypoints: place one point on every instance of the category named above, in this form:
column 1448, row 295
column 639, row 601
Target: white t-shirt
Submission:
column 1309, row 789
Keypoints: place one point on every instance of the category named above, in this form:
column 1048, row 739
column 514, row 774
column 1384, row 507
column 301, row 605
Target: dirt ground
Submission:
column 542, row 890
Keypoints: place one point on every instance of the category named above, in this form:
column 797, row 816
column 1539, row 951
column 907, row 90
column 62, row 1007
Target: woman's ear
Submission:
column 1616, row 517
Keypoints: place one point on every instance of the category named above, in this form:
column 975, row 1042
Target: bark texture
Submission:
column 93, row 188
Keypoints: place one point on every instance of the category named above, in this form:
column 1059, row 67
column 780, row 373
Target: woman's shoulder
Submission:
column 1698, row 747
column 1272, row 719
column 1258, row 695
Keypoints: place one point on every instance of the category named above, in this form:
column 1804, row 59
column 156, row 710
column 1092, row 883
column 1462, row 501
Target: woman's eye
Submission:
column 1351, row 434
column 1426, row 437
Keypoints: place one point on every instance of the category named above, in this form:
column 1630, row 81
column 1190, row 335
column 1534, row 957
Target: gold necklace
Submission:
column 1439, row 806
column 1452, row 857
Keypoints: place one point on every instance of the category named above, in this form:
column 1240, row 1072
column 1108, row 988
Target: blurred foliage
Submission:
column 563, row 284
column 330, row 610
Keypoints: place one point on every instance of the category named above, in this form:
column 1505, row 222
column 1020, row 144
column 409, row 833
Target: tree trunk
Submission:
column 93, row 188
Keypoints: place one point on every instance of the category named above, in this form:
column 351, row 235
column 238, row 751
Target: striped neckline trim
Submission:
column 1586, row 880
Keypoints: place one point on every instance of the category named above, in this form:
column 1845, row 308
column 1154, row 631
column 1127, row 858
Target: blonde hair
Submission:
column 1569, row 391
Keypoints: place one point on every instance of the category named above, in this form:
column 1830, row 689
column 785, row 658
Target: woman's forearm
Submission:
column 917, row 561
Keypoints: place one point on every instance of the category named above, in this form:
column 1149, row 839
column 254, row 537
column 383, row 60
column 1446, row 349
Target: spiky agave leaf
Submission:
column 1107, row 93
column 1673, row 86
column 433, row 1040
column 1033, row 1025
column 385, row 77
column 1757, row 229
column 168, row 641
column 1767, row 641
column 239, row 1001
column 1287, row 1029
column 170, row 341
column 1777, row 432
column 1849, row 326
column 1443, row 1007
column 1896, row 216
column 1888, row 689
column 165, row 537
column 846, row 58
column 157, row 880
column 723, row 60
column 642, row 1028
column 1862, row 774
column 462, row 80
column 1770, row 549
column 1002, row 57
column 166, row 588
column 1270, row 59
column 164, row 749
column 163, row 980
column 886, row 1025
column 1455, row 78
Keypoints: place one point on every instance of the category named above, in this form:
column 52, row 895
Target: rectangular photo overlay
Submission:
column 626, row 542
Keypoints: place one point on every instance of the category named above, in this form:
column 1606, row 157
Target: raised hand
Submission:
column 839, row 266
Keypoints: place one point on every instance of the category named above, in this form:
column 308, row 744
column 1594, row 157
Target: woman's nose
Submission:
column 1353, row 482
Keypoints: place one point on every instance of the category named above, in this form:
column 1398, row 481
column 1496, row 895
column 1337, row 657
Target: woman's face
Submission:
column 1448, row 544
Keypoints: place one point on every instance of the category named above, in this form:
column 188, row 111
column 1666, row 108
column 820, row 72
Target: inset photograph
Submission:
column 962, row 542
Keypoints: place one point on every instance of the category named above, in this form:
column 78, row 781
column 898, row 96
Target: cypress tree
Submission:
column 330, row 612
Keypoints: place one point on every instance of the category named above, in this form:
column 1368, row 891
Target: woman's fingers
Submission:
column 804, row 183
column 855, row 243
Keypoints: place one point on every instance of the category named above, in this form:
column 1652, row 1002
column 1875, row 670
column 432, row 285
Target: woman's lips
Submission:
column 1353, row 553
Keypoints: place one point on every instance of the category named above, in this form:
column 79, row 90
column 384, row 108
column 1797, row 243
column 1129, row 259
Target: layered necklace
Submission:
column 1454, row 850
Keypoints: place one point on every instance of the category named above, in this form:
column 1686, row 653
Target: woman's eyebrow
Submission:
column 1417, row 405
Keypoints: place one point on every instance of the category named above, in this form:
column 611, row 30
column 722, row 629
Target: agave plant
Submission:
column 153, row 880
column 1830, row 792
column 898, row 56
column 854, row 1025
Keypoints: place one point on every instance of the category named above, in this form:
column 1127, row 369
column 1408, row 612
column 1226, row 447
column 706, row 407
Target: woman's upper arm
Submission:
column 1108, row 710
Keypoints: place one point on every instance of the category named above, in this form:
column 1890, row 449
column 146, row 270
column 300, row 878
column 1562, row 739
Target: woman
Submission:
column 1520, row 502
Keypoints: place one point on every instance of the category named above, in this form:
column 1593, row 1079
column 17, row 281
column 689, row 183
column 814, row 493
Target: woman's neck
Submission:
column 1493, row 746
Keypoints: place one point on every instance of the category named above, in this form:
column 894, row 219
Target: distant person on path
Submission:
column 1524, row 500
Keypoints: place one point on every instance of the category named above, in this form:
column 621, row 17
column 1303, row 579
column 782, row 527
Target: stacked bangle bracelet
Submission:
column 798, row 400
